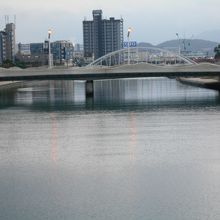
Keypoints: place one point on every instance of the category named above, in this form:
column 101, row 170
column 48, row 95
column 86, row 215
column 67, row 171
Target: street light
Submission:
column 49, row 49
column 179, row 43
column 129, row 31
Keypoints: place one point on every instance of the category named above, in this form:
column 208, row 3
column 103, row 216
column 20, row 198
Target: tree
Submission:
column 7, row 64
column 217, row 52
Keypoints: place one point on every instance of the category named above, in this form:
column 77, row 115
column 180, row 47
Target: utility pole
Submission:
column 49, row 50
column 129, row 31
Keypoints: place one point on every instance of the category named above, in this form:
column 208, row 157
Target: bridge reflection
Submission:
column 110, row 94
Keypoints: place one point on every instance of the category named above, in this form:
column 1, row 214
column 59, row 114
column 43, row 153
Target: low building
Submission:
column 32, row 60
column 36, row 48
column 62, row 52
column 36, row 54
column 24, row 49
column 33, row 55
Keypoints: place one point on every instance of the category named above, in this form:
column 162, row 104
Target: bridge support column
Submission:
column 89, row 88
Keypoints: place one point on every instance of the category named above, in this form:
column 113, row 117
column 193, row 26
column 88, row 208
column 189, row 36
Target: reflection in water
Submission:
column 110, row 94
column 152, row 91
column 7, row 97
column 133, row 136
column 140, row 149
column 53, row 137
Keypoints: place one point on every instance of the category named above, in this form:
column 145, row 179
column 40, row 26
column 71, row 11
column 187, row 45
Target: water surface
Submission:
column 140, row 149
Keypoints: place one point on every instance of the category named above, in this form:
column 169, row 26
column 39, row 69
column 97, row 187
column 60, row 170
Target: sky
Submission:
column 152, row 21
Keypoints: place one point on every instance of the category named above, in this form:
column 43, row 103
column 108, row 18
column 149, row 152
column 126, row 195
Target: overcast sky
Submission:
column 152, row 21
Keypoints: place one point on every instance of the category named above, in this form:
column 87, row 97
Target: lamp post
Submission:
column 49, row 50
column 129, row 31
column 179, row 43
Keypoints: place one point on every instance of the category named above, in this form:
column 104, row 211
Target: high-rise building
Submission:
column 102, row 36
column 2, row 46
column 7, row 43
column 78, row 47
column 10, row 41
column 78, row 52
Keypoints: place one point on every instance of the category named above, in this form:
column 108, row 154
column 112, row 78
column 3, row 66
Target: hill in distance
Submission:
column 194, row 45
column 143, row 44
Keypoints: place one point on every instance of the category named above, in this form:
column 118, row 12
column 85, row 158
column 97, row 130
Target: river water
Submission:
column 140, row 149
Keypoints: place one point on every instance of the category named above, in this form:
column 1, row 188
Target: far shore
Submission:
column 209, row 83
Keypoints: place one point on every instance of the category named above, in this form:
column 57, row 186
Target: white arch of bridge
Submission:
column 134, row 55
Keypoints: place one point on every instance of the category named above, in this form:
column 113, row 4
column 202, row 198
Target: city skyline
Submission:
column 158, row 21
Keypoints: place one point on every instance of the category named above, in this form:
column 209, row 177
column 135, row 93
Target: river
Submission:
column 139, row 149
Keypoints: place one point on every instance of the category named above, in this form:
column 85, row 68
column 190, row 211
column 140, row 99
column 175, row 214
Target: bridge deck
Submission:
column 98, row 73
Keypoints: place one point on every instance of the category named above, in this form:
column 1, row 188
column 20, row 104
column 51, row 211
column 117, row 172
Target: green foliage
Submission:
column 20, row 64
column 7, row 64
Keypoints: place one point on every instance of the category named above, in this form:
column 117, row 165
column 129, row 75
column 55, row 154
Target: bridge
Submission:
column 125, row 63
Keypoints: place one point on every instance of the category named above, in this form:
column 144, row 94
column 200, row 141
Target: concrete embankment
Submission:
column 10, row 84
column 208, row 83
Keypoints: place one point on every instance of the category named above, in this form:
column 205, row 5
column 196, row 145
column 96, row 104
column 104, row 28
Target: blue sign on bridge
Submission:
column 131, row 44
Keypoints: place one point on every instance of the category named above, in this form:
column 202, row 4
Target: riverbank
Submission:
column 208, row 83
column 10, row 84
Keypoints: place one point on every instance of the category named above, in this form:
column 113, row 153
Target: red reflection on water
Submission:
column 133, row 135
column 53, row 151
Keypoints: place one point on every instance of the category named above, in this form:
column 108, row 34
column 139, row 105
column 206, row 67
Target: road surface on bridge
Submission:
column 140, row 70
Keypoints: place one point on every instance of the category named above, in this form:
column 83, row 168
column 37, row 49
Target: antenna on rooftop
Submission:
column 6, row 19
column 15, row 20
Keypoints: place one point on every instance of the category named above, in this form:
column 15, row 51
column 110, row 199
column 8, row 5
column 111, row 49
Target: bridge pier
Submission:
column 89, row 87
